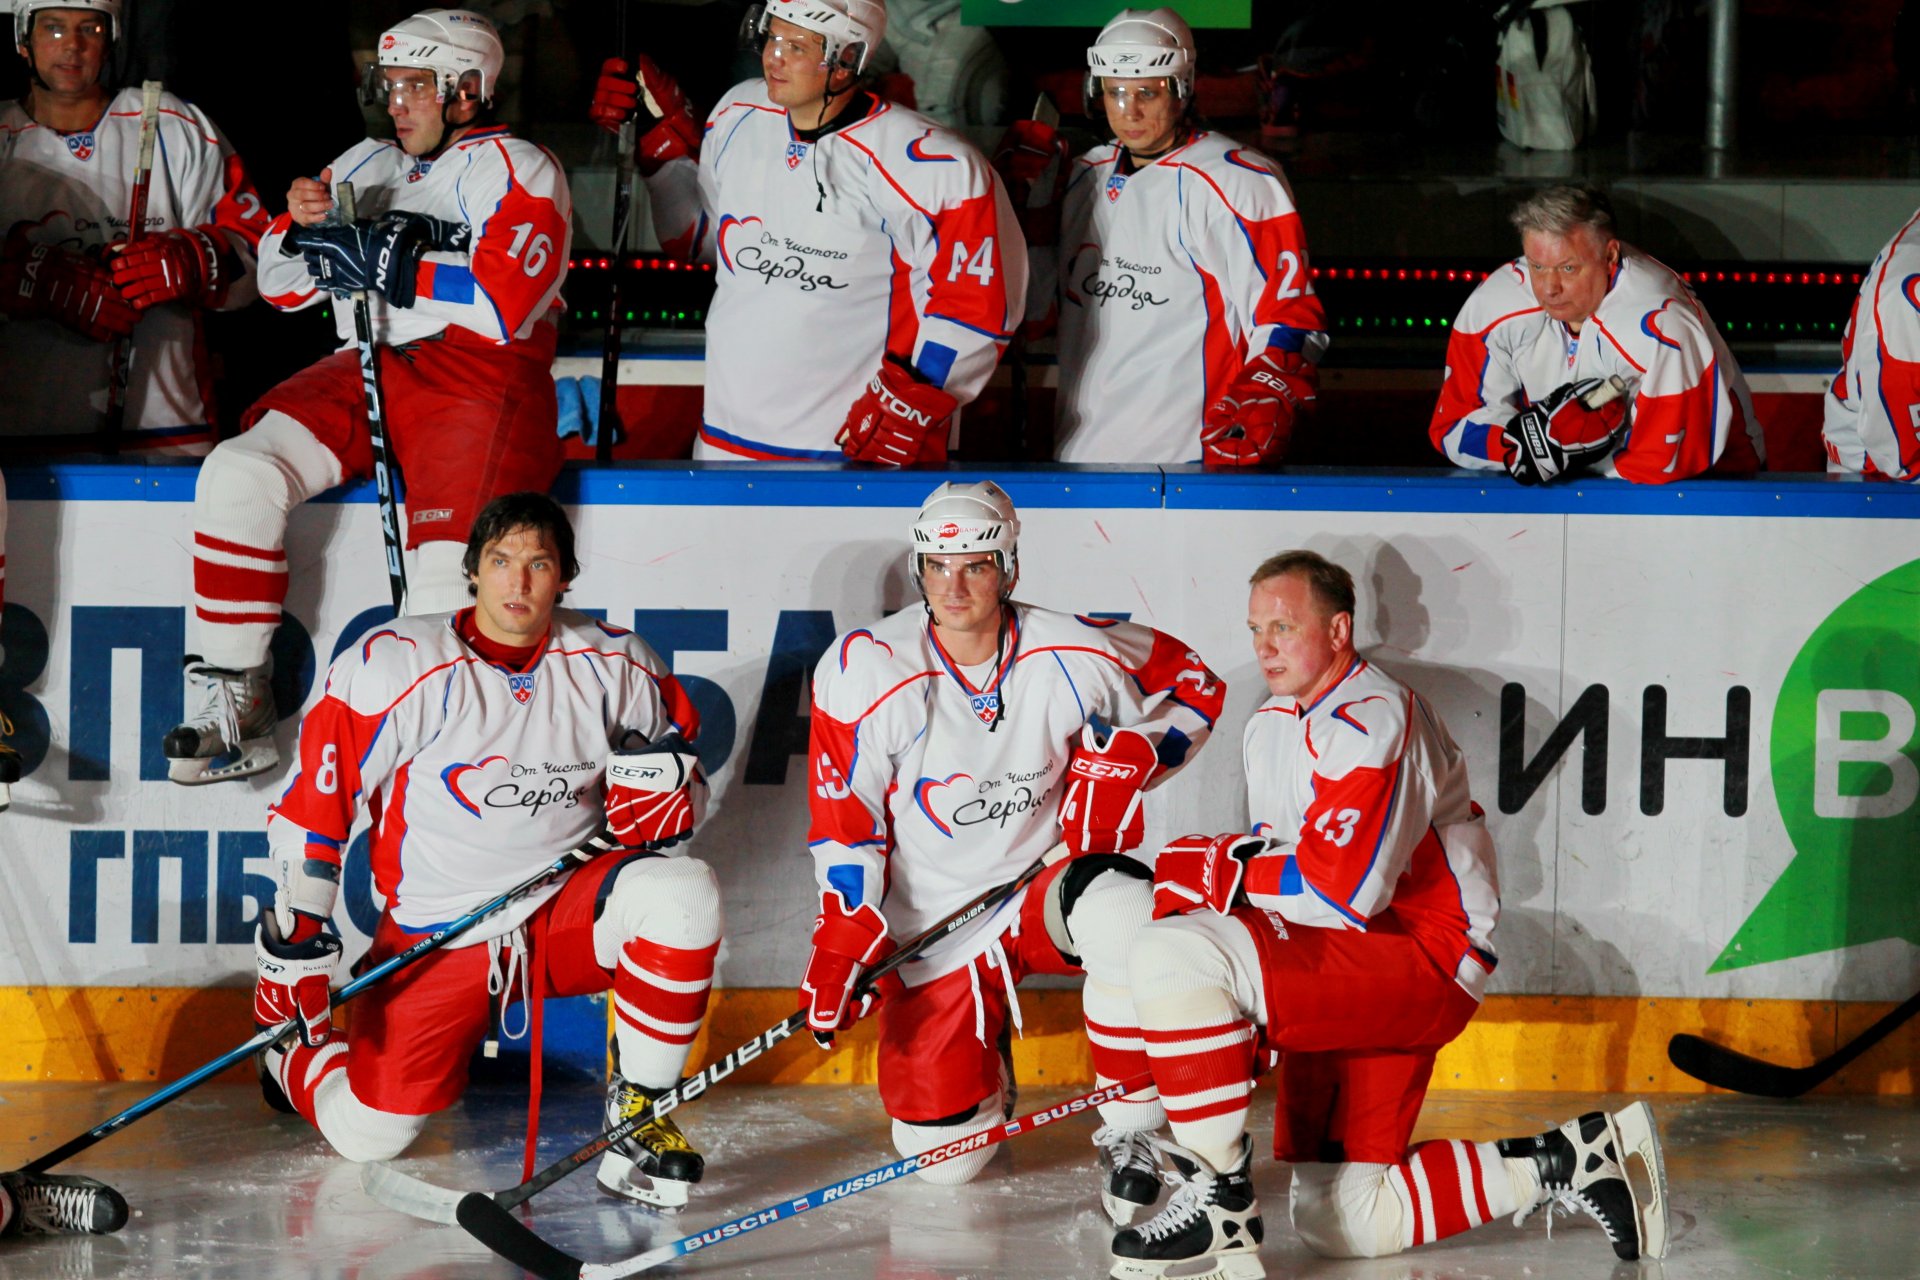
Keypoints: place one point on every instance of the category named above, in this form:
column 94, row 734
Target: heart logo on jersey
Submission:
column 923, row 796
column 81, row 145
column 796, row 153
column 521, row 687
column 729, row 226
column 1114, row 183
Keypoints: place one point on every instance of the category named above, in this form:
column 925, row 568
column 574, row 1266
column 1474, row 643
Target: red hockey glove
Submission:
column 845, row 943
column 171, row 266
column 71, row 289
column 618, row 98
column 1100, row 812
column 1032, row 160
column 1560, row 436
column 1202, row 871
column 1252, row 423
column 899, row 421
column 650, row 793
column 294, row 977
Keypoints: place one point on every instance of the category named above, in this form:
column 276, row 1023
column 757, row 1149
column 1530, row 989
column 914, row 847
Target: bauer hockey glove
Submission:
column 899, row 421
column 43, row 281
column 1253, row 421
column 1561, row 436
column 845, row 944
column 185, row 264
column 653, row 794
column 1202, row 871
column 1101, row 809
column 295, row 977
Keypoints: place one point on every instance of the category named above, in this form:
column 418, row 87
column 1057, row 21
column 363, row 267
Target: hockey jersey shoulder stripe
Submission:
column 917, row 151
column 1357, row 666
column 1617, row 345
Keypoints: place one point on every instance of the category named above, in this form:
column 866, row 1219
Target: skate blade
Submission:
column 1122, row 1213
column 1232, row 1266
column 256, row 756
column 1635, row 1134
column 618, row 1176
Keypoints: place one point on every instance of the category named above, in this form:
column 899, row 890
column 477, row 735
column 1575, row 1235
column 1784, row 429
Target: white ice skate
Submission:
column 228, row 732
column 1210, row 1229
column 1130, row 1159
column 1584, row 1168
column 656, row 1165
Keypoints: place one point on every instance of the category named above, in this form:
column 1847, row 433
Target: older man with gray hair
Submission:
column 1537, row 347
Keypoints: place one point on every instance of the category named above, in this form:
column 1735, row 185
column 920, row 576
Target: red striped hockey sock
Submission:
column 659, row 1000
column 1452, row 1186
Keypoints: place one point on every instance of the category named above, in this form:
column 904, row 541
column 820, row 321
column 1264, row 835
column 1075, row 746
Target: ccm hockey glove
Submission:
column 1564, row 434
column 1100, row 812
column 845, row 944
column 899, row 421
column 1252, row 423
column 651, row 800
column 295, row 976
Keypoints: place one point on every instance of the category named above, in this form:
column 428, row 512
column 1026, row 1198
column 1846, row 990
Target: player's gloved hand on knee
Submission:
column 1202, row 871
column 1100, row 810
column 845, row 945
column 381, row 256
column 1033, row 161
column 295, row 975
column 652, row 799
column 898, row 421
column 43, row 281
column 1559, row 437
column 646, row 91
column 182, row 264
column 1252, row 422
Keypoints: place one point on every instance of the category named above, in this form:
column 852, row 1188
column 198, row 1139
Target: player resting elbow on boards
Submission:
column 1351, row 936
column 1544, row 332
column 461, row 245
column 868, row 268
column 485, row 743
column 952, row 746
column 1871, row 423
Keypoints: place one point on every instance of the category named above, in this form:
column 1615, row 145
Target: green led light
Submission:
column 629, row 315
column 679, row 315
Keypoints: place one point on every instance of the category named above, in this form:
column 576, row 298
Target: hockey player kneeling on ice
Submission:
column 1351, row 936
column 461, row 246
column 484, row 744
column 869, row 270
column 952, row 746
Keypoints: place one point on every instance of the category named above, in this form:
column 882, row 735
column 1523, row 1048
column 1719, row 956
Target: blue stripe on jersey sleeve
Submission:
column 850, row 881
column 935, row 362
column 453, row 284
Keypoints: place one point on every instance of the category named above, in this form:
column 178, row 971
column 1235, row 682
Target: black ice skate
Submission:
column 1130, row 1159
column 46, row 1203
column 228, row 732
column 9, row 764
column 656, row 1164
column 1582, row 1168
column 1210, row 1229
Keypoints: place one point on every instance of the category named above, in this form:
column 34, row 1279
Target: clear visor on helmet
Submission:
column 1120, row 95
column 416, row 86
column 798, row 43
column 59, row 23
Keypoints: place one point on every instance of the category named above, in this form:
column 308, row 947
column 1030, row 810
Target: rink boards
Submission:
column 1689, row 711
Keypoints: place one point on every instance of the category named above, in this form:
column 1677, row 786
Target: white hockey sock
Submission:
column 1103, row 924
column 659, row 931
column 1200, row 1040
column 435, row 581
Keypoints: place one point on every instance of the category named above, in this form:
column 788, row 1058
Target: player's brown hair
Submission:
column 1331, row 585
column 526, row 510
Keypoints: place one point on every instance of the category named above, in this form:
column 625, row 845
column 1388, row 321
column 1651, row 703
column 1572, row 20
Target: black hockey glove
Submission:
column 381, row 257
column 1564, row 434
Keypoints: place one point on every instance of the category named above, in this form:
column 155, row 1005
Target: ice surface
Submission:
column 223, row 1188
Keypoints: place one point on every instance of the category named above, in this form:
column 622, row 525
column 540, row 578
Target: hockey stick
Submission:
column 489, row 1223
column 609, row 420
column 423, row 1199
column 384, row 468
column 1727, row 1069
column 120, row 358
column 566, row 862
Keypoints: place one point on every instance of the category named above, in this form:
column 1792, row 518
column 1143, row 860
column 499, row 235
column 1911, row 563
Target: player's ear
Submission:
column 1340, row 625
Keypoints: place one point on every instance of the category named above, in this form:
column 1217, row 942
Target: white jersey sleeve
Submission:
column 1872, row 407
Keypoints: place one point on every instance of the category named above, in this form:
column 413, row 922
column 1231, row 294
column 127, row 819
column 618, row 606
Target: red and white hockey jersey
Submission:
column 888, row 235
column 1689, row 413
column 75, row 190
column 1872, row 422
column 1367, row 795
column 474, row 776
column 919, row 805
column 1169, row 278
column 510, row 192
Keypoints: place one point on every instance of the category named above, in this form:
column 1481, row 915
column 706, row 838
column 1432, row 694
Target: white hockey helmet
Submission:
column 448, row 42
column 853, row 29
column 1143, row 44
column 23, row 11
column 960, row 519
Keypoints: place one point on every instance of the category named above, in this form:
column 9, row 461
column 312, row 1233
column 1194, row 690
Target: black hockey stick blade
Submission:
column 1729, row 1069
column 501, row 1232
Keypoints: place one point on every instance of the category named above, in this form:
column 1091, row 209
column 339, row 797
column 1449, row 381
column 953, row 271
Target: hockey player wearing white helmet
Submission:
column 870, row 270
column 1189, row 329
column 462, row 244
column 68, row 290
column 952, row 746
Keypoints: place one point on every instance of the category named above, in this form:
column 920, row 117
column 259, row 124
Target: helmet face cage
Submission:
column 23, row 15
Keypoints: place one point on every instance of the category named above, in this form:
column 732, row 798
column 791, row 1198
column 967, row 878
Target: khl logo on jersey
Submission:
column 421, row 168
column 796, row 152
column 987, row 706
column 81, row 144
column 521, row 687
column 1114, row 183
